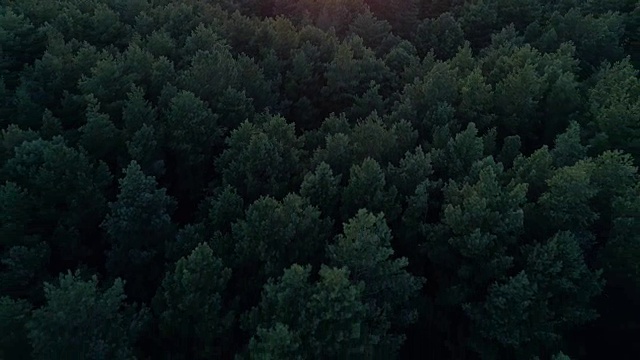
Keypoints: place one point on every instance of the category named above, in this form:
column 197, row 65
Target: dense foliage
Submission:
column 305, row 179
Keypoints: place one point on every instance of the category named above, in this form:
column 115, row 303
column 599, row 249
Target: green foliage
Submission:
column 615, row 108
column 21, row 41
column 621, row 252
column 14, row 315
column 333, row 154
column 476, row 100
column 82, row 321
column 443, row 35
column 224, row 209
column 351, row 72
column 367, row 188
column 567, row 202
column 389, row 290
column 137, row 112
column 322, row 188
column 555, row 267
column 534, row 170
column 192, row 322
column 414, row 168
column 13, row 136
column 383, row 143
column 51, row 126
column 261, row 159
column 558, row 267
column 371, row 29
column 560, row 356
column 483, row 219
column 568, row 148
column 597, row 36
column 65, row 193
column 99, row 136
column 275, row 343
column 24, row 268
column 275, row 234
column 144, row 149
column 337, row 153
column 136, row 225
column 212, row 71
column 14, row 212
column 191, row 129
column 506, row 307
column 23, row 256
column 517, row 97
column 322, row 319
column 459, row 153
column 427, row 112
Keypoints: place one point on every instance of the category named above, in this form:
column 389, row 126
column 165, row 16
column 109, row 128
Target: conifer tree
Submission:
column 137, row 227
column 193, row 323
column 82, row 321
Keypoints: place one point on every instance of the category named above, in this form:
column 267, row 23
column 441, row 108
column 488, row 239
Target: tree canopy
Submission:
column 302, row 179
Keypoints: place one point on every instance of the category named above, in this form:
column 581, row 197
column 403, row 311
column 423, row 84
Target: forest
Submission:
column 319, row 179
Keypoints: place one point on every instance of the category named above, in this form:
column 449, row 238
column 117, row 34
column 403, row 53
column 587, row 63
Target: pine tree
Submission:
column 137, row 226
column 66, row 196
column 82, row 321
column 190, row 301
column 320, row 319
column 262, row 159
column 367, row 189
column 322, row 189
column 99, row 136
column 389, row 290
column 275, row 234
